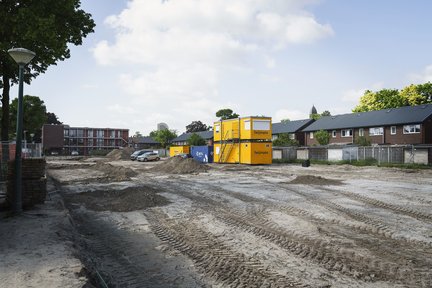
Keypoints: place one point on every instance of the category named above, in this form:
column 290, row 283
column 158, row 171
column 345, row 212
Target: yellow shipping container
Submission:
column 226, row 153
column 255, row 128
column 256, row 153
column 226, row 130
column 246, row 128
column 174, row 150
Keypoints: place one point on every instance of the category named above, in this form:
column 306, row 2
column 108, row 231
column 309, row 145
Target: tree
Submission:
column 45, row 27
column 196, row 140
column 418, row 94
column 323, row 137
column 326, row 113
column 225, row 114
column 383, row 99
column 52, row 119
column 137, row 134
column 34, row 116
column 286, row 120
column 164, row 136
column 196, row 126
column 285, row 140
column 363, row 141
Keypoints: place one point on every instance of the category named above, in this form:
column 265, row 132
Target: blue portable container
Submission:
column 203, row 154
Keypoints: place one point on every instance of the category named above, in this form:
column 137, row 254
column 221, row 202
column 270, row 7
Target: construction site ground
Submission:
column 177, row 223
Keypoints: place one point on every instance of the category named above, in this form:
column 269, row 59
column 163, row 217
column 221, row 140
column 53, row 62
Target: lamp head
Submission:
column 21, row 55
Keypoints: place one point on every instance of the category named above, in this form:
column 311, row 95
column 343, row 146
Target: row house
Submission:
column 145, row 142
column 292, row 128
column 183, row 138
column 396, row 126
column 63, row 139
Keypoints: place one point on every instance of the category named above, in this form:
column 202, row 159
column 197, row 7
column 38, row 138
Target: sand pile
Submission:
column 314, row 180
column 115, row 173
column 120, row 154
column 129, row 199
column 176, row 165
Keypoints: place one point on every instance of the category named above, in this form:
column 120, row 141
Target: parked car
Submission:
column 183, row 155
column 74, row 153
column 137, row 153
column 148, row 156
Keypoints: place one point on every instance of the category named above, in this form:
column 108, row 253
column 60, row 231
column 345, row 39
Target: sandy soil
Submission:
column 164, row 224
column 36, row 248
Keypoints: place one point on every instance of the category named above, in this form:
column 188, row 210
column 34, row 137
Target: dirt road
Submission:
column 139, row 225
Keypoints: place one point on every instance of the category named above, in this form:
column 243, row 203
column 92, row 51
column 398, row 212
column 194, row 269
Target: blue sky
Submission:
column 177, row 61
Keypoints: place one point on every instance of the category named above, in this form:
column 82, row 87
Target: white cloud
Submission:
column 354, row 95
column 424, row 76
column 289, row 114
column 177, row 52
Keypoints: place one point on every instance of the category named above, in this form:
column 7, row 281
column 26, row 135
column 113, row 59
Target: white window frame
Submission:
column 217, row 128
column 346, row 133
column 311, row 135
column 392, row 130
column 376, row 131
column 291, row 136
column 361, row 132
column 334, row 133
column 412, row 129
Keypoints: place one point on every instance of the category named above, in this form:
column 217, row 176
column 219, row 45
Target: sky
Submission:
column 178, row 61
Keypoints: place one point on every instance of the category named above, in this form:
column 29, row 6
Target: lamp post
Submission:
column 22, row 57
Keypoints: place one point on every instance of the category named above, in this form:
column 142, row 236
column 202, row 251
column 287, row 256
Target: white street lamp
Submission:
column 22, row 56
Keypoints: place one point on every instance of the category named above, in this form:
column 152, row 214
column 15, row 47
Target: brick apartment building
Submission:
column 63, row 139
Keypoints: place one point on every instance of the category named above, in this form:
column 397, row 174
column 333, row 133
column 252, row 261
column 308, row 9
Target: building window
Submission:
column 346, row 132
column 89, row 133
column 66, row 132
column 112, row 134
column 261, row 124
column 311, row 135
column 292, row 136
column 411, row 129
column 217, row 128
column 100, row 133
column 361, row 132
column 72, row 132
column 247, row 125
column 274, row 137
column 393, row 130
column 334, row 133
column 375, row 131
column 80, row 133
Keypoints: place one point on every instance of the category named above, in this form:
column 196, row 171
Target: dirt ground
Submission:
column 174, row 224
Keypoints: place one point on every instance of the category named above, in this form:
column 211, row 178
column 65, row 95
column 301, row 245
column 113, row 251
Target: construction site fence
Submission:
column 406, row 154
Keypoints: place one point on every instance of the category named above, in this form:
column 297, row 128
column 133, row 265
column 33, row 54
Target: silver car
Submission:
column 148, row 156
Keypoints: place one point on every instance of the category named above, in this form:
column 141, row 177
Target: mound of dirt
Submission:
column 314, row 180
column 129, row 199
column 176, row 165
column 120, row 154
column 115, row 173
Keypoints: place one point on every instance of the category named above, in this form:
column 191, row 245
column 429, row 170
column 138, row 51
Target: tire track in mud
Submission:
column 368, row 225
column 127, row 259
column 381, row 204
column 214, row 258
column 331, row 257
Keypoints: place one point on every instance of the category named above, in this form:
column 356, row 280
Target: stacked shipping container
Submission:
column 245, row 140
